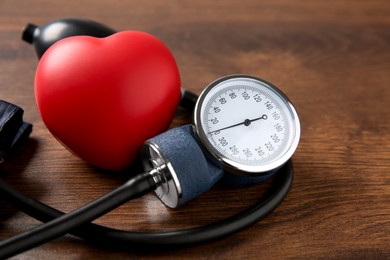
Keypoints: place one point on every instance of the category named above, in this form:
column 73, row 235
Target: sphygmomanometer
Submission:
column 244, row 130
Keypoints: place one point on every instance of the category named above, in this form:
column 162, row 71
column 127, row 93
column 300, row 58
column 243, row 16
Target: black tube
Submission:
column 188, row 100
column 134, row 188
column 156, row 240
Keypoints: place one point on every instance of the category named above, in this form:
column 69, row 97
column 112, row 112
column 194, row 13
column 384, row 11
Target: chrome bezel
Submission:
column 168, row 188
column 236, row 167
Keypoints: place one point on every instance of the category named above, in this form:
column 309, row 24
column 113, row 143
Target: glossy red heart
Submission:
column 103, row 97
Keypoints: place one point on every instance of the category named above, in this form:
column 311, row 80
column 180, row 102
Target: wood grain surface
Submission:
column 332, row 58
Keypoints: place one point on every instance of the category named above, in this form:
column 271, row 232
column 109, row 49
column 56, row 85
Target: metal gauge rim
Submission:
column 231, row 165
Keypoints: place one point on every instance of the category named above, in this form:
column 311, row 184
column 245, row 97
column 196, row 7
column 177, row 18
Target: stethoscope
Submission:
column 244, row 131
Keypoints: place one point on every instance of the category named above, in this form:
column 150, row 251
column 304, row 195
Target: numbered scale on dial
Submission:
column 247, row 124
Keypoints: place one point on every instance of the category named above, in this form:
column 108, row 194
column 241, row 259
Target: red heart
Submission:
column 103, row 97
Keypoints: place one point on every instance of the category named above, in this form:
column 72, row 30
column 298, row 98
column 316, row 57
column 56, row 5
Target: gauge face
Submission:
column 247, row 124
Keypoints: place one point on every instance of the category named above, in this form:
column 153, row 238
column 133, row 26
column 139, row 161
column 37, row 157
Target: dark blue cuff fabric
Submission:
column 195, row 172
column 12, row 128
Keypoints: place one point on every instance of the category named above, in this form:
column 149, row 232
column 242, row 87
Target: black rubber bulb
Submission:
column 42, row 37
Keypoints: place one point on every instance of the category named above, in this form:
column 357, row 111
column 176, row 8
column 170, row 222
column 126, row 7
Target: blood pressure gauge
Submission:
column 242, row 125
column 246, row 124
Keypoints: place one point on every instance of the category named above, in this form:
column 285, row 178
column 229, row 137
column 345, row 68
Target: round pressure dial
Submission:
column 247, row 124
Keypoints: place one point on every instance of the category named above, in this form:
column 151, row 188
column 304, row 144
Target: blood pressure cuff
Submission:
column 13, row 130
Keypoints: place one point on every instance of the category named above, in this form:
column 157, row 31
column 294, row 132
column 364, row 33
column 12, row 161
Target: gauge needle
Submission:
column 246, row 122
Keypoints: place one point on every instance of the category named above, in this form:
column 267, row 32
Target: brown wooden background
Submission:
column 332, row 58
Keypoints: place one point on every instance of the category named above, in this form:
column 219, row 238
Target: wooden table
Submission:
column 332, row 58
